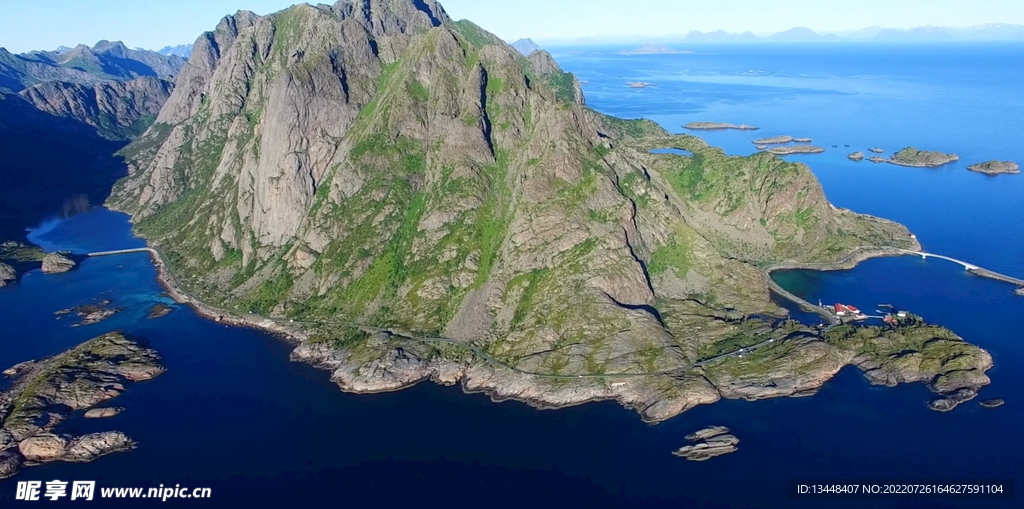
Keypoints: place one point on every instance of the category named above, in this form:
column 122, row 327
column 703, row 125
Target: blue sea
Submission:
column 234, row 414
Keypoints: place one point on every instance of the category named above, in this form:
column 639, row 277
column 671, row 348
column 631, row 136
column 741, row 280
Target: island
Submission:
column 878, row 159
column 856, row 156
column 552, row 273
column 777, row 140
column 913, row 157
column 90, row 313
column 992, row 403
column 995, row 168
column 804, row 140
column 44, row 393
column 875, row 150
column 708, row 443
column 711, row 126
column 795, row 149
column 58, row 263
column 654, row 49
column 17, row 258
column 639, row 84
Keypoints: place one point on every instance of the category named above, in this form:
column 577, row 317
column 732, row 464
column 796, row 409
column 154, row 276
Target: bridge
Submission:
column 924, row 256
column 125, row 251
column 970, row 267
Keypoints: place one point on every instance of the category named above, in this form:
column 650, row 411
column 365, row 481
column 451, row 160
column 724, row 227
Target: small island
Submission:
column 913, row 157
column 44, row 393
column 795, row 149
column 90, row 313
column 875, row 150
column 708, row 443
column 711, row 126
column 654, row 49
column 856, row 156
column 992, row 403
column 803, row 140
column 878, row 159
column 777, row 140
column 639, row 84
column 995, row 168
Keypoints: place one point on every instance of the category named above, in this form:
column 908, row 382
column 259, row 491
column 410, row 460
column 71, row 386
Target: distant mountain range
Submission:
column 989, row 32
column 104, row 62
column 181, row 50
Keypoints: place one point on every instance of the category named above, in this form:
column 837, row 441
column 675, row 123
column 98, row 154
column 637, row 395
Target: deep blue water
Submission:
column 232, row 413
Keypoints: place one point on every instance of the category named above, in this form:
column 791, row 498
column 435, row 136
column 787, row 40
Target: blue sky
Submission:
column 26, row 25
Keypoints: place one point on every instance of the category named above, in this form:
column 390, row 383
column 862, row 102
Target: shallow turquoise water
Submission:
column 234, row 414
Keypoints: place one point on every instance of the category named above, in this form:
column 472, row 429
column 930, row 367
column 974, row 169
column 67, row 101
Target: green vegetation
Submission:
column 677, row 254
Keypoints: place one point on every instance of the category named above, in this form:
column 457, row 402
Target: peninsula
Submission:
column 911, row 156
column 44, row 393
column 430, row 234
column 711, row 126
column 995, row 168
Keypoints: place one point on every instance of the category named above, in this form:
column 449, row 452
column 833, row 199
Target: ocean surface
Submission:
column 232, row 413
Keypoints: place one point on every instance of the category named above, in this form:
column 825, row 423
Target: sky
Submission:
column 27, row 25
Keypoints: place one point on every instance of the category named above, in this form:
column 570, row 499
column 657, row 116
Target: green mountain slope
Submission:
column 378, row 163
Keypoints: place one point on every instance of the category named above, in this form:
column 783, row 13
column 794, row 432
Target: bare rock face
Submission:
column 57, row 263
column 7, row 274
column 103, row 413
column 117, row 109
column 89, row 447
column 43, row 447
column 11, row 462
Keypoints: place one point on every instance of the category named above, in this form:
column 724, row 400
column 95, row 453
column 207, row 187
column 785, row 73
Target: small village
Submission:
column 889, row 314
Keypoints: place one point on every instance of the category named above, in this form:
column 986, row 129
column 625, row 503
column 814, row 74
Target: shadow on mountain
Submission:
column 50, row 166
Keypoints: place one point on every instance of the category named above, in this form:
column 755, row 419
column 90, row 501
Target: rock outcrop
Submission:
column 7, row 274
column 775, row 140
column 57, row 263
column 103, row 413
column 995, row 168
column 856, row 156
column 713, row 126
column 43, row 393
column 387, row 165
column 709, row 443
column 911, row 156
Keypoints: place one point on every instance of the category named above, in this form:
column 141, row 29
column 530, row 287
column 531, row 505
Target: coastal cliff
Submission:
column 426, row 203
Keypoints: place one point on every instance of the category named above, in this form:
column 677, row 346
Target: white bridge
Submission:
column 967, row 266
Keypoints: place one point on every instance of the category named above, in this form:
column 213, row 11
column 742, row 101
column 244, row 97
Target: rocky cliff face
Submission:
column 376, row 162
column 118, row 109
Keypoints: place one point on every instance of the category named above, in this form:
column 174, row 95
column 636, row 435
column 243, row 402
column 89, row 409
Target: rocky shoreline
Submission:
column 394, row 364
column 43, row 393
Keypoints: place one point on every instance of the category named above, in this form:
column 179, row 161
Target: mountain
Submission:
column 376, row 171
column 798, row 34
column 181, row 50
column 719, row 36
column 118, row 109
column 106, row 61
column 525, row 46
